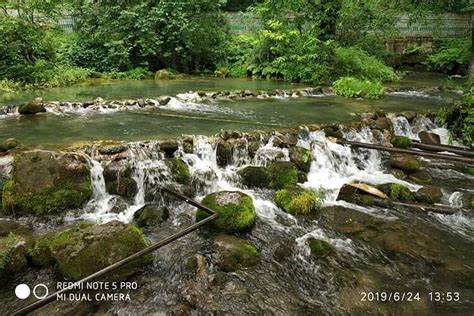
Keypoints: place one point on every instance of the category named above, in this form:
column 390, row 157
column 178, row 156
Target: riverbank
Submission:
column 361, row 247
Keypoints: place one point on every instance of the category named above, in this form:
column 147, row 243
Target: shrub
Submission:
column 452, row 56
column 352, row 88
column 352, row 61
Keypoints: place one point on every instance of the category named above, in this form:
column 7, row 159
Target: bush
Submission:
column 352, row 88
column 451, row 57
column 351, row 61
column 459, row 119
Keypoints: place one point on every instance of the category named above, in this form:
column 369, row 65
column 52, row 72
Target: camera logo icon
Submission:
column 40, row 291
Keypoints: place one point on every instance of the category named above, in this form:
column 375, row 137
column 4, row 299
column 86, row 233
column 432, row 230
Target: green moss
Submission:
column 299, row 201
column 12, row 254
column 236, row 211
column 282, row 174
column 31, row 108
column 397, row 192
column 179, row 169
column 254, row 176
column 235, row 253
column 401, row 142
column 320, row 248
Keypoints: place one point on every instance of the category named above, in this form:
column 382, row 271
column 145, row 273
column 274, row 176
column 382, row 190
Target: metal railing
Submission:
column 213, row 215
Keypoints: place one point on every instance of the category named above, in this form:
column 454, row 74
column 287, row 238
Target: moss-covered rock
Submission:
column 421, row 177
column 44, row 183
column 405, row 162
column 429, row 138
column 299, row 201
column 151, row 215
column 429, row 194
column 13, row 250
column 235, row 253
column 383, row 123
column 119, row 180
column 397, row 192
column 320, row 248
column 301, row 157
column 31, row 108
column 179, row 170
column 469, row 201
column 254, row 176
column 399, row 174
column 9, row 144
column 401, row 142
column 236, row 211
column 223, row 153
column 282, row 174
column 85, row 249
column 10, row 226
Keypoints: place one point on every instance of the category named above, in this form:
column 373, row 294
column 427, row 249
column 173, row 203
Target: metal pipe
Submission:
column 455, row 150
column 52, row 297
column 466, row 160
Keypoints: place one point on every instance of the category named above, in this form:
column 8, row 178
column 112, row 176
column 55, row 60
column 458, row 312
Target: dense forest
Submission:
column 339, row 43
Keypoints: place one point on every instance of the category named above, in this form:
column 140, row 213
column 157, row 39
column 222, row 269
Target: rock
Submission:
column 429, row 138
column 399, row 174
column 151, row 215
column 31, row 108
column 333, row 131
column 85, row 249
column 302, row 176
column 397, row 192
column 236, row 210
column 469, row 201
column 409, row 115
column 112, row 149
column 197, row 263
column 405, row 162
column 223, row 153
column 8, row 144
column 13, row 251
column 179, row 169
column 44, row 183
column 283, row 250
column 119, row 181
column 284, row 141
column 169, row 147
column 421, row 177
column 320, row 248
column 301, row 157
column 298, row 201
column 401, row 142
column 141, row 103
column 98, row 101
column 164, row 100
column 282, row 173
column 429, row 194
column 354, row 195
column 383, row 123
column 253, row 176
column 235, row 253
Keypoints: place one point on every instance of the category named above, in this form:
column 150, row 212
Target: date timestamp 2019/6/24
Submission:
column 385, row 296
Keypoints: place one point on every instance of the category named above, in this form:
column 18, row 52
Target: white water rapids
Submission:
column 332, row 166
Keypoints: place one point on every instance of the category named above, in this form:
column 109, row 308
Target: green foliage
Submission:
column 352, row 88
column 185, row 35
column 459, row 119
column 352, row 61
column 397, row 192
column 452, row 56
column 320, row 248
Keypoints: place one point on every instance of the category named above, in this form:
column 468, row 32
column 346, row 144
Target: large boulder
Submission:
column 235, row 253
column 9, row 144
column 429, row 194
column 298, row 201
column 223, row 153
column 179, row 170
column 169, row 146
column 255, row 176
column 119, row 180
column 236, row 211
column 301, row 157
column 84, row 249
column 44, row 182
column 405, row 162
column 282, row 173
